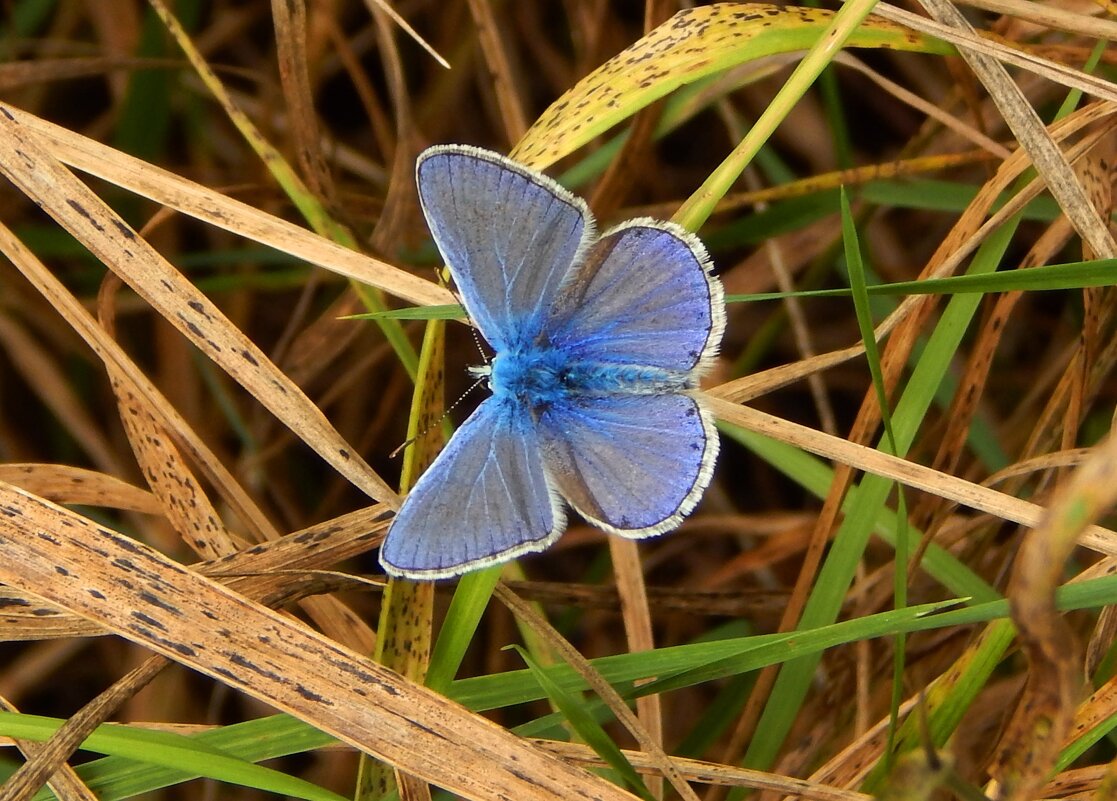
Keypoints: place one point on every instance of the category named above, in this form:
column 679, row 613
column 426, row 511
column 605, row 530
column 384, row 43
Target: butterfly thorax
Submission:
column 540, row 377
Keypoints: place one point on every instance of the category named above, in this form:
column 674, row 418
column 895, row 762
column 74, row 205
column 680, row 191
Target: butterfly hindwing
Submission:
column 643, row 296
column 509, row 236
column 634, row 465
column 485, row 499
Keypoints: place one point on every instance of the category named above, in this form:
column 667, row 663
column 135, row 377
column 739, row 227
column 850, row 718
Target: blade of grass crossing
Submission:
column 407, row 613
column 174, row 752
column 949, row 696
column 312, row 209
column 699, row 206
column 1072, row 275
column 575, row 711
column 470, row 600
column 837, row 572
column 1074, row 96
column 118, row 777
column 815, row 476
column 1051, row 277
column 856, row 267
column 946, row 699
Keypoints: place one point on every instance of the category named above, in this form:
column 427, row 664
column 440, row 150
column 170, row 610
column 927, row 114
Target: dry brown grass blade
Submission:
column 633, row 594
column 170, row 478
column 828, row 180
column 28, row 618
column 63, row 483
column 99, row 228
column 195, row 200
column 35, row 772
column 1094, row 782
column 1046, row 712
column 500, row 70
column 1096, row 175
column 289, row 17
column 735, row 602
column 910, row 474
column 1049, row 423
column 145, row 597
column 185, row 502
column 65, row 782
column 118, row 363
column 1095, row 710
column 15, row 75
column 41, row 372
column 1046, row 461
column 696, row 770
column 381, row 6
column 256, row 572
column 852, row 764
column 1050, row 16
column 1052, row 70
column 604, row 690
column 271, row 573
column 1100, row 705
column 1032, row 134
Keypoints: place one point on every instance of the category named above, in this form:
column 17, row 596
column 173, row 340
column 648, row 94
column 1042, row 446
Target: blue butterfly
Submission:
column 597, row 342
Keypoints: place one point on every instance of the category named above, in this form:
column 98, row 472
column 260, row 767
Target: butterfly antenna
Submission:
column 472, row 328
column 480, row 348
column 437, row 422
column 442, row 275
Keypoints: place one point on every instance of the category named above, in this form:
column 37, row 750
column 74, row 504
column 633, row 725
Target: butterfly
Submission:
column 597, row 341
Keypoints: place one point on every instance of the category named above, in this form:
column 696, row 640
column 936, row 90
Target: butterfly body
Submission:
column 541, row 376
column 598, row 343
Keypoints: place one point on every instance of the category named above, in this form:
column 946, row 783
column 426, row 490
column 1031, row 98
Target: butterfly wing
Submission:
column 509, row 236
column 644, row 296
column 484, row 500
column 634, row 465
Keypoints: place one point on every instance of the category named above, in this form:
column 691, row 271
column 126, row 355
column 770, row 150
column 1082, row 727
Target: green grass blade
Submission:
column 858, row 284
column 184, row 755
column 700, row 205
column 837, row 572
column 471, row 598
column 587, row 727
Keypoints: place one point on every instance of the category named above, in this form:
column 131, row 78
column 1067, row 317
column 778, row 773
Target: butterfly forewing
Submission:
column 642, row 296
column 508, row 235
column 485, row 499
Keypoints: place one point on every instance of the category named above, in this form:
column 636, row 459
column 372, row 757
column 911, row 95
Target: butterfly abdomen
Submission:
column 540, row 377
